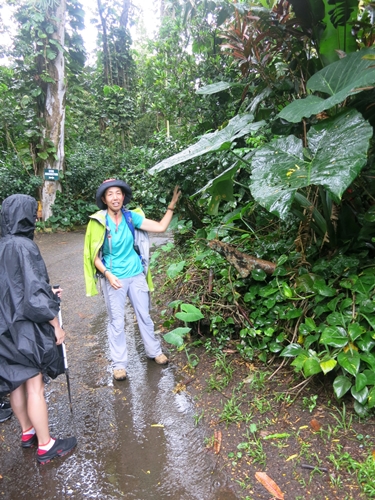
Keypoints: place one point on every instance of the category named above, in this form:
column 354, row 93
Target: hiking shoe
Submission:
column 29, row 443
column 119, row 374
column 161, row 359
column 5, row 414
column 60, row 448
column 4, row 404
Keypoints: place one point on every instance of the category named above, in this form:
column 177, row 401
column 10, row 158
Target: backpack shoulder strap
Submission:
column 129, row 220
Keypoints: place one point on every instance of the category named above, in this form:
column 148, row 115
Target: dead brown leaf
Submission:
column 217, row 441
column 315, row 425
column 270, row 485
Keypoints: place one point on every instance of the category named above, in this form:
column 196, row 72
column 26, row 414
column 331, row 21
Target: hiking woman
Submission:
column 29, row 328
column 109, row 251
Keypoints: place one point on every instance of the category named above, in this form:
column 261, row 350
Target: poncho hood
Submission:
column 18, row 215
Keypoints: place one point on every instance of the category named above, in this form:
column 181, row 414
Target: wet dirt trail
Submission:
column 137, row 439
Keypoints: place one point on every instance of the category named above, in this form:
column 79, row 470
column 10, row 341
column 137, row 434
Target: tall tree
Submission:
column 116, row 96
column 39, row 78
column 54, row 110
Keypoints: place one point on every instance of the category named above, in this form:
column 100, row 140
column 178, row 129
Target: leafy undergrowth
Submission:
column 257, row 419
column 263, row 416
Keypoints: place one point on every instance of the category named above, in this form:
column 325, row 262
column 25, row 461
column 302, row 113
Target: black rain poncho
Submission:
column 27, row 303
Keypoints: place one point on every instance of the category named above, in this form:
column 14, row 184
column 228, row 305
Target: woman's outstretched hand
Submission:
column 175, row 197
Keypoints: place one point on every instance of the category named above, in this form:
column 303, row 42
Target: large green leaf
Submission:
column 371, row 398
column 366, row 342
column 214, row 88
column 370, row 377
column 350, row 362
column 360, row 382
column 334, row 336
column 189, row 313
column 369, row 359
column 292, row 350
column 341, row 385
column 328, row 365
column 311, row 367
column 214, row 141
column 338, row 151
column 221, row 189
column 360, row 396
column 176, row 336
column 361, row 410
column 175, row 269
column 343, row 78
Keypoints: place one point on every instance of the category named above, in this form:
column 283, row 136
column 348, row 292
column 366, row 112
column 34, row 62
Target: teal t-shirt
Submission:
column 123, row 261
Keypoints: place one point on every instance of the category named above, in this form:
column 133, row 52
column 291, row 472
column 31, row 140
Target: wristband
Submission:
column 172, row 209
column 105, row 271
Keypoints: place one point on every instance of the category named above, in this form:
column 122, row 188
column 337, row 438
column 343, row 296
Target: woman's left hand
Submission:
column 59, row 335
column 57, row 291
column 175, row 197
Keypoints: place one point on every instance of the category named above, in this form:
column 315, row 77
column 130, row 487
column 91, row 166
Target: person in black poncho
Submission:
column 29, row 328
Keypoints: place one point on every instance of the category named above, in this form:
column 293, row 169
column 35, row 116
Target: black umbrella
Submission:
column 66, row 367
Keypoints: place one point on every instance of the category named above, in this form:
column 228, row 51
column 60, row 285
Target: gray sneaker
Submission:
column 5, row 414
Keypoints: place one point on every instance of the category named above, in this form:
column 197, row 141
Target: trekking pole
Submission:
column 66, row 367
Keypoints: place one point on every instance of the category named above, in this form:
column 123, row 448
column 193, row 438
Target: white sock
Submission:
column 47, row 446
column 28, row 432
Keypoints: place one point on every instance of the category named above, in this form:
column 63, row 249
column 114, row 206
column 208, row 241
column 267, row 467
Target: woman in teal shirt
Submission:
column 122, row 269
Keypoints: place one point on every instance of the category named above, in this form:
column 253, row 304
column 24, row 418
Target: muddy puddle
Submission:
column 137, row 439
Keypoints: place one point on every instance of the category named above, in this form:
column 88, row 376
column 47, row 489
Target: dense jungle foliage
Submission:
column 263, row 113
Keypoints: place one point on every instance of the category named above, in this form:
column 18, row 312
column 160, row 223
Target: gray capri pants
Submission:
column 136, row 289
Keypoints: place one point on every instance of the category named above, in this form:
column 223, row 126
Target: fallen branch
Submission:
column 241, row 261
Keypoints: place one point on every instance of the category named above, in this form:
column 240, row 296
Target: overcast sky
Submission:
column 148, row 7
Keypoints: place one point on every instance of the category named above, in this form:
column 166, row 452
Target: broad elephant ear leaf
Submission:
column 343, row 78
column 221, row 191
column 214, row 88
column 215, row 141
column 337, row 153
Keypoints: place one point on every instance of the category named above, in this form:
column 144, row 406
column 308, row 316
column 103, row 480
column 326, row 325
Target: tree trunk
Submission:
column 106, row 53
column 54, row 115
column 124, row 18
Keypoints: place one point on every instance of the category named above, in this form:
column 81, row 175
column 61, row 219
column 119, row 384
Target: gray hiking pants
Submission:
column 137, row 290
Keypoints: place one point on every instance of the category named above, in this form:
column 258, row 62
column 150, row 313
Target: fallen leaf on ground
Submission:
column 270, row 485
column 315, row 425
column 179, row 388
column 291, row 457
column 217, row 441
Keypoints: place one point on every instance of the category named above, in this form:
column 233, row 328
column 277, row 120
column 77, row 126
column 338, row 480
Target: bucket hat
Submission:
column 125, row 188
